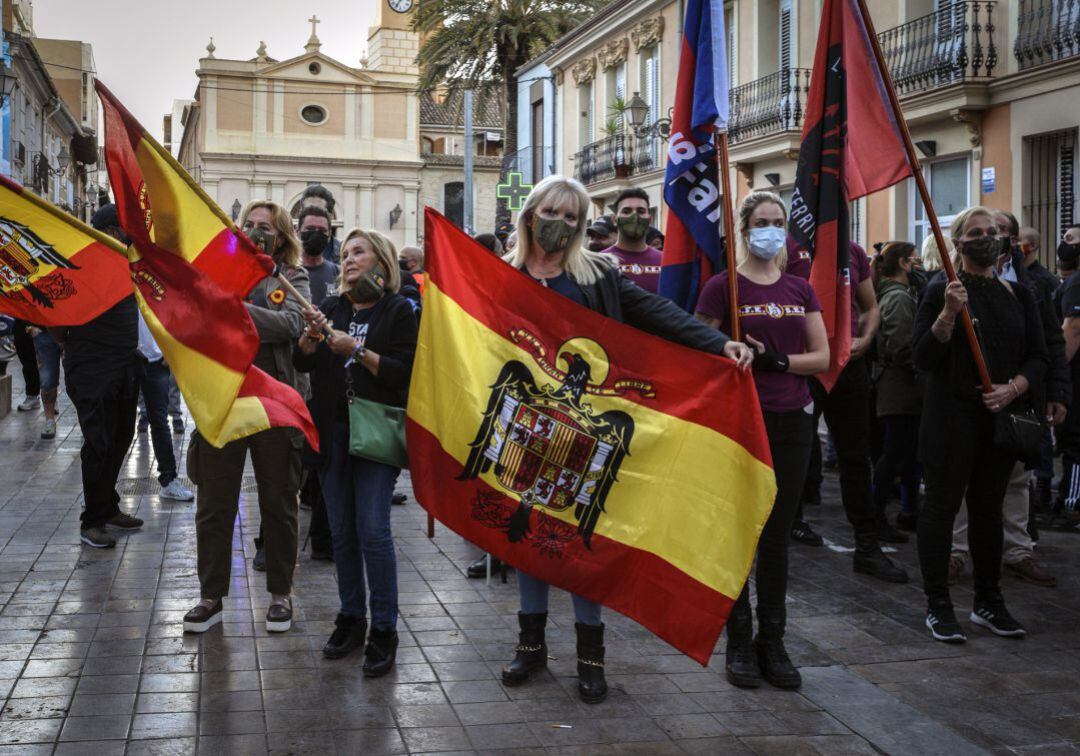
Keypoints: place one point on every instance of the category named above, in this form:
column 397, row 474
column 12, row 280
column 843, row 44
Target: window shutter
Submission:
column 729, row 18
column 785, row 41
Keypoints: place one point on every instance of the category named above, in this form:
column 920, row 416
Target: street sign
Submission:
column 514, row 190
column 989, row 179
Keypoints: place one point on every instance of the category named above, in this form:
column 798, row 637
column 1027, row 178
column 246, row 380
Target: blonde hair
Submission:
column 963, row 218
column 931, row 257
column 385, row 252
column 288, row 249
column 556, row 191
column 750, row 203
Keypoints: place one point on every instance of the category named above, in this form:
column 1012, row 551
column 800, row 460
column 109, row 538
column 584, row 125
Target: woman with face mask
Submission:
column 960, row 460
column 551, row 227
column 781, row 318
column 899, row 398
column 369, row 351
column 275, row 453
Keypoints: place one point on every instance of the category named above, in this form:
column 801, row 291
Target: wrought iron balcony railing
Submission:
column 617, row 156
column 1048, row 30
column 768, row 105
column 952, row 44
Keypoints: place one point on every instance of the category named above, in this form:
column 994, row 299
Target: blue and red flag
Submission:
column 851, row 147
column 692, row 247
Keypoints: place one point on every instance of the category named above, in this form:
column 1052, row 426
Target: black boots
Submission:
column 869, row 560
column 592, row 687
column 531, row 653
column 349, row 633
column 771, row 655
column 380, row 652
column 742, row 664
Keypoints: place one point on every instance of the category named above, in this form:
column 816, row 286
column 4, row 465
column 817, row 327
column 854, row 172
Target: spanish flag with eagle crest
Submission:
column 613, row 464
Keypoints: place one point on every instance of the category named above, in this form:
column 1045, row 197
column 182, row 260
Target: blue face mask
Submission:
column 766, row 243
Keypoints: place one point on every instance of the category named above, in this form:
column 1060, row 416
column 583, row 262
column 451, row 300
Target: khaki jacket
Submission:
column 281, row 324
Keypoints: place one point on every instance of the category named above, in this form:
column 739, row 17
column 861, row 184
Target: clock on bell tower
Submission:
column 392, row 44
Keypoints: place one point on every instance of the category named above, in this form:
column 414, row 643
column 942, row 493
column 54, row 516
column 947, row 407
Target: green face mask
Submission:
column 632, row 227
column 552, row 234
column 261, row 238
column 369, row 286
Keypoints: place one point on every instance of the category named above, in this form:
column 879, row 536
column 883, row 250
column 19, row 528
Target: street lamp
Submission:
column 236, row 209
column 63, row 159
column 7, row 83
column 637, row 110
column 395, row 215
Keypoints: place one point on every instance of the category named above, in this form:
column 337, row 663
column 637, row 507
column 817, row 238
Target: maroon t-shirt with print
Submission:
column 643, row 268
column 775, row 315
column 798, row 264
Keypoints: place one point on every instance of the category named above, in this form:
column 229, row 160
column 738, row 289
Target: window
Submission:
column 314, row 68
column 316, row 115
column 586, row 125
column 786, row 40
column 729, row 26
column 1049, row 187
column 949, row 182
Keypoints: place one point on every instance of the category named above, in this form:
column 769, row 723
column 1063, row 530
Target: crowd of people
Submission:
column 907, row 419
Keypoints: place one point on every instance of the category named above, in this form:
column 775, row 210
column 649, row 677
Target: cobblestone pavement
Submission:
column 93, row 660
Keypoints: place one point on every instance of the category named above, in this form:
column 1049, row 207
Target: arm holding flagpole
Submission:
column 924, row 195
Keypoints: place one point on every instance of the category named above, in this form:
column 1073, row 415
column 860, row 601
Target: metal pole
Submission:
column 468, row 203
column 924, row 194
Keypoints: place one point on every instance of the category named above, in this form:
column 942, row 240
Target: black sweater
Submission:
column 392, row 333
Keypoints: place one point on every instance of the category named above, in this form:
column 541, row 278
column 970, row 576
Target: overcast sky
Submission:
column 147, row 51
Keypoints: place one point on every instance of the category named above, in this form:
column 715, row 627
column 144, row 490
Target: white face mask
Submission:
column 766, row 243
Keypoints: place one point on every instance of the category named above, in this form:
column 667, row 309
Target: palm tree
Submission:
column 480, row 44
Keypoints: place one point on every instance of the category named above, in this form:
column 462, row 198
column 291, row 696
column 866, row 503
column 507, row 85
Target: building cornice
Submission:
column 623, row 17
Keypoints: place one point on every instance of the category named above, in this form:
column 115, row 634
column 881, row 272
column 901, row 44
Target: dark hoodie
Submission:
column 898, row 391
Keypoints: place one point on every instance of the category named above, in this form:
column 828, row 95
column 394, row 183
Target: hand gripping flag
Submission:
column 692, row 248
column 191, row 269
column 605, row 461
column 851, row 147
column 54, row 269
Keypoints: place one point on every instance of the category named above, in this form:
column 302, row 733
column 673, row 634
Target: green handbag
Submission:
column 376, row 431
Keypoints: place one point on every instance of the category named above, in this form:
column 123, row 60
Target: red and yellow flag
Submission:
column 608, row 462
column 54, row 269
column 191, row 269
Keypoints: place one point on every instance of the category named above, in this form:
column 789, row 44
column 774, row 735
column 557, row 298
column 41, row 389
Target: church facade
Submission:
column 266, row 128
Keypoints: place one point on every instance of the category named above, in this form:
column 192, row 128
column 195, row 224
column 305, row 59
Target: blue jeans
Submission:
column 154, row 385
column 357, row 493
column 48, row 356
column 534, row 600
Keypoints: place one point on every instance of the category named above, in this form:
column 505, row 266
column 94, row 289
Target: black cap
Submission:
column 602, row 226
column 105, row 217
column 1068, row 253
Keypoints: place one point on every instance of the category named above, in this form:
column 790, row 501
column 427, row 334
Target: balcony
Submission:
column 617, row 156
column 953, row 44
column 768, row 105
column 1047, row 31
column 533, row 162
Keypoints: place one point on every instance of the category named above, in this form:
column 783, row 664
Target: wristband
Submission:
column 358, row 353
column 771, row 362
column 317, row 336
column 1015, row 388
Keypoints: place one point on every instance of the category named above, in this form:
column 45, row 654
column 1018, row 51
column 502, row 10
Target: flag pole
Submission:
column 729, row 231
column 924, row 194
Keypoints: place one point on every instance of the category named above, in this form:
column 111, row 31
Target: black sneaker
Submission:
column 178, row 425
column 399, row 499
column 996, row 618
column 124, row 521
column 97, row 538
column 380, row 652
column 259, row 562
column 803, row 533
column 943, row 625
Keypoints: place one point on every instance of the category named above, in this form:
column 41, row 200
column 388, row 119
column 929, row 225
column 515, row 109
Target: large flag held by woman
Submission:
column 192, row 268
column 603, row 460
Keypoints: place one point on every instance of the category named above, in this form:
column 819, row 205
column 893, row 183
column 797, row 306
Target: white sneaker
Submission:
column 48, row 430
column 176, row 491
column 30, row 403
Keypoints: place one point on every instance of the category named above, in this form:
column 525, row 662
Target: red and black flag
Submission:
column 851, row 146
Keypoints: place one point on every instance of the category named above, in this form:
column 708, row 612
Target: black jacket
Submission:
column 392, row 333
column 620, row 299
column 1010, row 332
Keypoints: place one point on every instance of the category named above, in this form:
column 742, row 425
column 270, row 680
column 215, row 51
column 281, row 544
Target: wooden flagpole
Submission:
column 729, row 231
column 924, row 194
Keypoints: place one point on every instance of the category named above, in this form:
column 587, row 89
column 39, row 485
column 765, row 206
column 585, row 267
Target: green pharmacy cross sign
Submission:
column 514, row 190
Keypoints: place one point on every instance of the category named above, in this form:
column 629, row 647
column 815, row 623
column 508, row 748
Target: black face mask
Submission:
column 1068, row 252
column 982, row 252
column 917, row 278
column 314, row 240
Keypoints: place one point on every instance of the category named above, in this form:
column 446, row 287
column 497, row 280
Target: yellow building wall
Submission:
column 234, row 104
column 335, row 105
column 997, row 153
